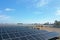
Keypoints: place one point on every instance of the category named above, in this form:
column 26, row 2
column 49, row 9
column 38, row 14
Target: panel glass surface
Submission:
column 22, row 33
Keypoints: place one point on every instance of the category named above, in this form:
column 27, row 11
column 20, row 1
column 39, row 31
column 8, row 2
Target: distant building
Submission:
column 20, row 24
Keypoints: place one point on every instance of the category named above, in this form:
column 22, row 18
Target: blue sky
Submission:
column 29, row 11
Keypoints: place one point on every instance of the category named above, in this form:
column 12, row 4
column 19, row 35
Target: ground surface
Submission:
column 50, row 29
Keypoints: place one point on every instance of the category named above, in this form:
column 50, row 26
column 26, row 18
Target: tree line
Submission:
column 55, row 24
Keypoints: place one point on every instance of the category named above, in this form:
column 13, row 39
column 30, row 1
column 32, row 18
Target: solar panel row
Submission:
column 22, row 33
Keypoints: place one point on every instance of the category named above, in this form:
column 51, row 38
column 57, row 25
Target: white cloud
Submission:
column 42, row 3
column 33, row 3
column 9, row 9
column 4, row 17
column 58, row 11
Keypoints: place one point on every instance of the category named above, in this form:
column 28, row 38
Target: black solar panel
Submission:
column 23, row 38
column 22, row 33
column 30, row 37
column 0, row 37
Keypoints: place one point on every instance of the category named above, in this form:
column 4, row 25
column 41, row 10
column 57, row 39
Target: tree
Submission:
column 47, row 23
column 57, row 24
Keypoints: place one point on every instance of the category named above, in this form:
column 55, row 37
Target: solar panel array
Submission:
column 22, row 33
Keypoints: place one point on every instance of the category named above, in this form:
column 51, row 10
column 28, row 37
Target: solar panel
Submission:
column 15, row 39
column 37, row 38
column 0, row 37
column 11, row 35
column 17, row 34
column 23, row 38
column 30, row 37
column 22, row 33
